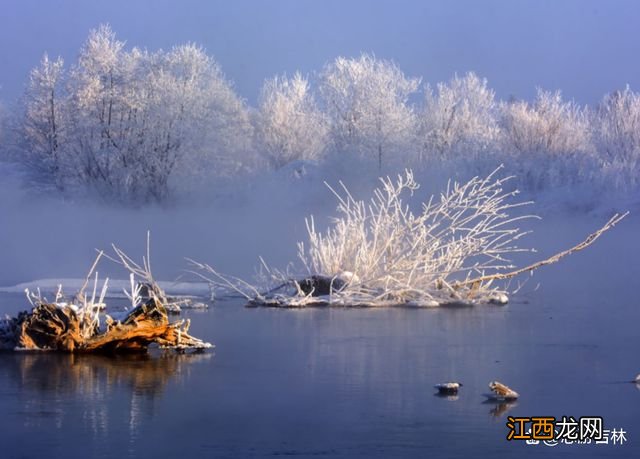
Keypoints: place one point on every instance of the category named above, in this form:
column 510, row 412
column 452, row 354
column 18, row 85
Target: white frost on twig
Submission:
column 453, row 251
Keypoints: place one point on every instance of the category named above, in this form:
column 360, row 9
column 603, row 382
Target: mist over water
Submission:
column 346, row 382
column 353, row 382
column 331, row 382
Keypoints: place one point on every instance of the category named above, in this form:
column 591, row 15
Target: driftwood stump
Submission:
column 48, row 327
column 59, row 328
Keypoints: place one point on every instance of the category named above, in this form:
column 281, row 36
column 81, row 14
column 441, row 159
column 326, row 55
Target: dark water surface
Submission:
column 347, row 383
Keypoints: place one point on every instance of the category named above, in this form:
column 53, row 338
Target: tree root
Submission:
column 58, row 328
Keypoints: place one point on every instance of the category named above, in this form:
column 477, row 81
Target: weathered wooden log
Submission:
column 50, row 327
column 59, row 328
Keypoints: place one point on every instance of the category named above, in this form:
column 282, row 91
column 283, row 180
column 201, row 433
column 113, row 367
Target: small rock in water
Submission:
column 498, row 298
column 317, row 285
column 448, row 388
column 637, row 380
column 501, row 392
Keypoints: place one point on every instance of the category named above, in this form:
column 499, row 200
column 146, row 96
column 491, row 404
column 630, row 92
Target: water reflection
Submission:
column 448, row 397
column 400, row 353
column 101, row 392
column 499, row 408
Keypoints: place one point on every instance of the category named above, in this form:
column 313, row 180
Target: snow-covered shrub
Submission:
column 366, row 100
column 458, row 119
column 549, row 140
column 396, row 255
column 456, row 249
column 617, row 134
column 380, row 252
column 290, row 126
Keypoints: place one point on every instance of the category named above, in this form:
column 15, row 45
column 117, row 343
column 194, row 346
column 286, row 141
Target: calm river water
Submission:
column 347, row 383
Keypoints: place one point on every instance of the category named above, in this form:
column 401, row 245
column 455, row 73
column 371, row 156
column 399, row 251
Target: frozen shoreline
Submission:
column 116, row 286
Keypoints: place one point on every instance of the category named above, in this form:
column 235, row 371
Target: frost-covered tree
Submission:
column 100, row 113
column 366, row 100
column 459, row 117
column 617, row 133
column 214, row 122
column 43, row 127
column 195, row 123
column 135, row 124
column 549, row 125
column 549, row 138
column 290, row 124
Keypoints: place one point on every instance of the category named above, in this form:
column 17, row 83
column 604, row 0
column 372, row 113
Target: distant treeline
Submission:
column 136, row 126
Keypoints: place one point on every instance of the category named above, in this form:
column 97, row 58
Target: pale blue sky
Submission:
column 584, row 47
